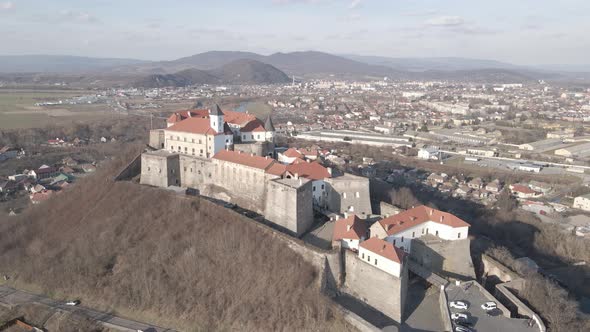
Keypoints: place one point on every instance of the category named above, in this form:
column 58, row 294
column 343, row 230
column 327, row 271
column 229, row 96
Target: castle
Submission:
column 230, row 156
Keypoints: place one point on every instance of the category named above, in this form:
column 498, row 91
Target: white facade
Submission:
column 380, row 262
column 582, row 202
column 350, row 244
column 403, row 239
column 428, row 153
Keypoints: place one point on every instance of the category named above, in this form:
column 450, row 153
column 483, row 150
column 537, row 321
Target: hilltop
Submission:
column 149, row 253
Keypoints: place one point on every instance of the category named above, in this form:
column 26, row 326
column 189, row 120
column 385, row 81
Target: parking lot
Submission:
column 481, row 320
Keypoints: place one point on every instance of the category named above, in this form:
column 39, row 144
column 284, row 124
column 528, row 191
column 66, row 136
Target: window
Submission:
column 363, row 255
column 422, row 230
column 171, row 137
column 313, row 188
column 413, row 234
column 244, row 137
column 258, row 136
column 375, row 261
column 191, row 169
column 172, row 148
column 172, row 171
column 178, row 138
column 199, row 172
column 368, row 258
column 426, row 230
column 402, row 239
column 185, row 139
column 159, row 170
column 343, row 195
column 149, row 169
column 458, row 235
column 193, row 151
column 322, row 187
column 185, row 149
column 436, row 233
column 193, row 140
column 201, row 151
column 393, row 240
column 185, row 169
column 200, row 142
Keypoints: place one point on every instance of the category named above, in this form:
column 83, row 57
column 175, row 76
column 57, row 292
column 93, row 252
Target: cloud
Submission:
column 290, row 2
column 354, row 4
column 421, row 13
column 445, row 21
column 6, row 5
column 77, row 17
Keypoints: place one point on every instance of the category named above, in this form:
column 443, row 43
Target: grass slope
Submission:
column 135, row 249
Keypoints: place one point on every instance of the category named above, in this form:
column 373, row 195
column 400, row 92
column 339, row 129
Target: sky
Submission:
column 526, row 32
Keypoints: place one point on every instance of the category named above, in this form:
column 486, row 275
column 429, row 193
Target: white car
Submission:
column 73, row 303
column 459, row 328
column 459, row 316
column 458, row 305
column 489, row 306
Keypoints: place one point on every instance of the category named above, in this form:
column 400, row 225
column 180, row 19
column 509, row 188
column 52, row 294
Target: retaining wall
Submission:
column 444, row 309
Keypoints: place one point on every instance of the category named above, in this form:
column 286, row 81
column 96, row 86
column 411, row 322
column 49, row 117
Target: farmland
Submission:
column 18, row 109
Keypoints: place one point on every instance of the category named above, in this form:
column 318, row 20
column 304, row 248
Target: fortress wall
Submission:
column 289, row 206
column 160, row 169
column 375, row 287
column 448, row 258
column 348, row 191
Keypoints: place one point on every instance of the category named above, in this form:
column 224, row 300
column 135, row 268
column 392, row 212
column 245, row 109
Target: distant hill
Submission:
column 59, row 63
column 434, row 63
column 249, row 71
column 236, row 72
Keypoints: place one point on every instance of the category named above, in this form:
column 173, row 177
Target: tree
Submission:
column 506, row 202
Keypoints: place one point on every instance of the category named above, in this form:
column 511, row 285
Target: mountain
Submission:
column 215, row 59
column 434, row 63
column 249, row 71
column 236, row 72
column 59, row 63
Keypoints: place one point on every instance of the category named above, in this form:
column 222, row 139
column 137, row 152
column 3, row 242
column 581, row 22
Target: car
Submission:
column 489, row 306
column 229, row 205
column 460, row 328
column 459, row 316
column 458, row 305
column 73, row 303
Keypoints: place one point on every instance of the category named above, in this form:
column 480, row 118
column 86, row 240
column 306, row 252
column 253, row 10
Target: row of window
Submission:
column 369, row 258
column 356, row 194
column 184, row 139
column 186, row 150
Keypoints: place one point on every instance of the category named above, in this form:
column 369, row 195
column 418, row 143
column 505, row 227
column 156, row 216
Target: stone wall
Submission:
column 492, row 267
column 195, row 171
column 517, row 307
column 131, row 170
column 288, row 204
column 451, row 259
column 349, row 193
column 156, row 139
column 388, row 210
column 375, row 287
column 160, row 169
column 444, row 309
column 258, row 149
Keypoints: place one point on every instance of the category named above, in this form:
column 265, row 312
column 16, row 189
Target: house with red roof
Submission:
column 401, row 228
column 382, row 255
column 522, row 191
column 349, row 232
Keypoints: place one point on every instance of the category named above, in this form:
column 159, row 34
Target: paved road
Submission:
column 11, row 297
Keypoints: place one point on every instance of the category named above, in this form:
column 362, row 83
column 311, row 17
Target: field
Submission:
column 18, row 110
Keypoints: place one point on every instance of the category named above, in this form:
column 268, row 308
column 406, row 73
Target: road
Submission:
column 12, row 297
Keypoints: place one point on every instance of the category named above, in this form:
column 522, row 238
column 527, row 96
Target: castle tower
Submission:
column 216, row 119
column 270, row 130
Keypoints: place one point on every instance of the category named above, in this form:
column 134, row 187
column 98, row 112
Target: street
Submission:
column 11, row 297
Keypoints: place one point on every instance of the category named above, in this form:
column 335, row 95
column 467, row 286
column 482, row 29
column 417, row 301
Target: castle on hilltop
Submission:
column 229, row 155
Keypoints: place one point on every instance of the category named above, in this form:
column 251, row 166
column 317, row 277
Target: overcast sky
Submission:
column 517, row 31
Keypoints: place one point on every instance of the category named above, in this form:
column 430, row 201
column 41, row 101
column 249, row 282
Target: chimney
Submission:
column 431, row 210
column 330, row 170
column 266, row 157
column 308, row 161
column 300, row 182
column 296, row 175
column 442, row 218
column 189, row 114
column 345, row 214
column 348, row 227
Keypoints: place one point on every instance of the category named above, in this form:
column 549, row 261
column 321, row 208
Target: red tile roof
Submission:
column 349, row 228
column 312, row 171
column 417, row 216
column 292, row 153
column 238, row 118
column 522, row 189
column 277, row 169
column 253, row 126
column 194, row 125
column 309, row 152
column 244, row 159
column 384, row 249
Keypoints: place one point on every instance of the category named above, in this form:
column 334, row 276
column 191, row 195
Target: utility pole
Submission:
column 151, row 121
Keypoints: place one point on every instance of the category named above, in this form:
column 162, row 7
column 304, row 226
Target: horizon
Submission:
column 548, row 32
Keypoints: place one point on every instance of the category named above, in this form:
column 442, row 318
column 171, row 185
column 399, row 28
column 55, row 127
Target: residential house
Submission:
column 476, row 183
column 349, row 232
column 522, row 191
column 582, row 202
column 494, row 186
column 382, row 255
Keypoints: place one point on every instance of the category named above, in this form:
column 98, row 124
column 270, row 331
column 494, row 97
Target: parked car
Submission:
column 458, row 305
column 459, row 316
column 489, row 306
column 73, row 303
column 460, row 328
column 229, row 205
